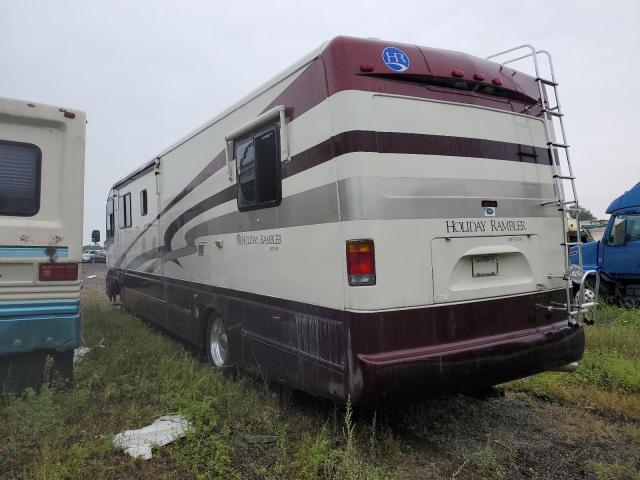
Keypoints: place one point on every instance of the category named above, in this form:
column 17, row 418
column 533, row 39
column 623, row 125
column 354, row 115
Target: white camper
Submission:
column 380, row 218
column 41, row 196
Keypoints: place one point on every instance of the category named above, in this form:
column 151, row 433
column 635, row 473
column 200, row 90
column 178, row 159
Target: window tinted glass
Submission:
column 632, row 232
column 19, row 179
column 124, row 211
column 245, row 157
column 633, row 227
column 110, row 219
column 267, row 155
column 143, row 203
column 258, row 169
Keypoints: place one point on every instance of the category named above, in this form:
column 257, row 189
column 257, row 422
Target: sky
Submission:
column 149, row 72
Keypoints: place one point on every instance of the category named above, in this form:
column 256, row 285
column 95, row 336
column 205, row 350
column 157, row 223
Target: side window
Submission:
column 19, row 179
column 110, row 219
column 632, row 232
column 258, row 168
column 143, row 202
column 124, row 211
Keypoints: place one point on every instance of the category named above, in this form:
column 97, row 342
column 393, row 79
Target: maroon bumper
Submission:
column 468, row 365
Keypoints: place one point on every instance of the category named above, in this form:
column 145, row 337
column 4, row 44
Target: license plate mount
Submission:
column 484, row 266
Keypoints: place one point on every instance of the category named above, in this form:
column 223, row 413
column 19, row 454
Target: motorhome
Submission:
column 380, row 219
column 41, row 196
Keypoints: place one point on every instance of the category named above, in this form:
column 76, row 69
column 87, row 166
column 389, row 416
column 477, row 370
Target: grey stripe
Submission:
column 375, row 198
column 315, row 206
column 379, row 198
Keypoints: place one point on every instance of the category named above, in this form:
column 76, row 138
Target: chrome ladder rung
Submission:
column 588, row 305
column 559, row 203
column 546, row 81
column 563, row 276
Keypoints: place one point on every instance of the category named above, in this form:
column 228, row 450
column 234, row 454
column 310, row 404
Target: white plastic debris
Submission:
column 80, row 352
column 138, row 443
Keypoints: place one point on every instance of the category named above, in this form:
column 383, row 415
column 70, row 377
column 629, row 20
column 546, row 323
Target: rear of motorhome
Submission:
column 379, row 219
column 41, row 195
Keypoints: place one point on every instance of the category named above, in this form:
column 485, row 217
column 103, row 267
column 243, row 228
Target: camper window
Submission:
column 110, row 219
column 19, row 178
column 257, row 158
column 143, row 203
column 124, row 211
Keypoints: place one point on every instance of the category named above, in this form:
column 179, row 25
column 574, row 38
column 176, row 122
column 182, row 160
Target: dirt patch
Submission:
column 93, row 277
column 513, row 437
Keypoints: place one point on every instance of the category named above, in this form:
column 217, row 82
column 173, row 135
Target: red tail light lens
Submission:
column 57, row 272
column 361, row 267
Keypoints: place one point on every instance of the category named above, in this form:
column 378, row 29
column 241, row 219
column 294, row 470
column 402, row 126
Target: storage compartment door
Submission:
column 482, row 267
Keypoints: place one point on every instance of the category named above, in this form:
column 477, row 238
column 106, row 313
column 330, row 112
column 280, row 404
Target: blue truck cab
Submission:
column 617, row 255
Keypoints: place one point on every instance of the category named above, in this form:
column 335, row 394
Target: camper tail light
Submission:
column 361, row 267
column 56, row 272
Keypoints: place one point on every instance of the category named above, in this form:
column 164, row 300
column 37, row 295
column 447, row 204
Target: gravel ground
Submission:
column 93, row 289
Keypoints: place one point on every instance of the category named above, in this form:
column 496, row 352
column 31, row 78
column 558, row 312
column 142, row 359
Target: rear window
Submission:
column 458, row 84
column 20, row 165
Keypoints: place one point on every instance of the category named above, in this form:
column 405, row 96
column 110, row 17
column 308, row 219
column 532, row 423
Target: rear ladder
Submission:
column 559, row 151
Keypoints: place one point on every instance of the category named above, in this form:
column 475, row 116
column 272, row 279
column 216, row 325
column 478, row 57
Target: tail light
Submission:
column 361, row 267
column 56, row 272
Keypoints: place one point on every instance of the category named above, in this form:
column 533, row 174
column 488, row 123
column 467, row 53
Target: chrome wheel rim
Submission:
column 589, row 296
column 218, row 343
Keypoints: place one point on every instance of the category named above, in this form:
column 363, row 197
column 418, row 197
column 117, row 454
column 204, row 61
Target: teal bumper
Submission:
column 39, row 325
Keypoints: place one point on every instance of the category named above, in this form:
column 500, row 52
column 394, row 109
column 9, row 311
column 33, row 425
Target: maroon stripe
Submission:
column 213, row 201
column 305, row 92
column 422, row 144
column 212, row 167
column 413, row 143
column 360, row 141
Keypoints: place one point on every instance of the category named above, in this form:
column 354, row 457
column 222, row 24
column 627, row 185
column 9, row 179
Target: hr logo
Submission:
column 395, row 59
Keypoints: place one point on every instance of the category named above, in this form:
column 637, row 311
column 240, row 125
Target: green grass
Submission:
column 135, row 374
column 132, row 376
column 608, row 377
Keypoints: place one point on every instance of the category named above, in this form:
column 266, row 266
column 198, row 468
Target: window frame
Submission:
column 624, row 216
column 126, row 211
column 144, row 202
column 252, row 134
column 110, row 216
column 38, row 179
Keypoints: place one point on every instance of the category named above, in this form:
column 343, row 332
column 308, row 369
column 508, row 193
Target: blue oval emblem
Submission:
column 395, row 59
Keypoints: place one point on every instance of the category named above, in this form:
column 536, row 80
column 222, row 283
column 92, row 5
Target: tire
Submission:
column 216, row 344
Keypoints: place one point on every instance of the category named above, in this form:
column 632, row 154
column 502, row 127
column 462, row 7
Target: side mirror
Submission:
column 619, row 231
column 95, row 236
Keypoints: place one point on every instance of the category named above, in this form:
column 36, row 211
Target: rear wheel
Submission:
column 217, row 345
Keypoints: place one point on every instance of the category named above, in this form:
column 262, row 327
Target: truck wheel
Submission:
column 589, row 294
column 217, row 347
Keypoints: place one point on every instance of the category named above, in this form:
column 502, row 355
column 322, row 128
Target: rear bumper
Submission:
column 39, row 325
column 470, row 365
